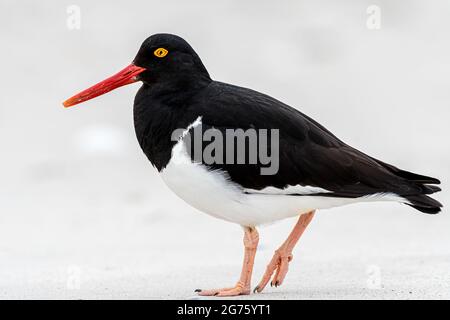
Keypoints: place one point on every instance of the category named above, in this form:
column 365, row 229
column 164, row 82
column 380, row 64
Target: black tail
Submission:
column 424, row 203
column 419, row 200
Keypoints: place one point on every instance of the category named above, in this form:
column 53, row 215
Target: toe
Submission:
column 278, row 265
column 233, row 292
column 273, row 265
column 281, row 272
column 212, row 292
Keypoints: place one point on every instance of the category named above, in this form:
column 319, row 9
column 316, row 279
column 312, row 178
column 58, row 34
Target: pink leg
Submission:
column 251, row 239
column 283, row 255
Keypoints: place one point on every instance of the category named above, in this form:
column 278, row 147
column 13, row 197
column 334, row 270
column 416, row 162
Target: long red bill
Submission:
column 123, row 77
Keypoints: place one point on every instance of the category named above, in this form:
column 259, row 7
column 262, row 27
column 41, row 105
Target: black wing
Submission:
column 309, row 154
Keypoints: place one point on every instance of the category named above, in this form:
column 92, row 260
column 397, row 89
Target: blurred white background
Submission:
column 84, row 215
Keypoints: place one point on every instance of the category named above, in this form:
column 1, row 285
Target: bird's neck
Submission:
column 157, row 114
column 175, row 87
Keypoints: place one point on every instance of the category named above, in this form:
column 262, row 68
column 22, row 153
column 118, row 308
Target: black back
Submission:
column 309, row 153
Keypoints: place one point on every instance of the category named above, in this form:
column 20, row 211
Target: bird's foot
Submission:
column 238, row 289
column 279, row 263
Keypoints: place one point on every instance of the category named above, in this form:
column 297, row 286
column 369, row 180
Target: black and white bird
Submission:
column 316, row 170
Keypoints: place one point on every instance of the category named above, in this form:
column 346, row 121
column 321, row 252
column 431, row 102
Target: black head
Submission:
column 165, row 63
column 169, row 60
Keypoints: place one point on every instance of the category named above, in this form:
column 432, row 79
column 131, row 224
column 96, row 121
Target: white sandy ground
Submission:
column 83, row 215
column 115, row 242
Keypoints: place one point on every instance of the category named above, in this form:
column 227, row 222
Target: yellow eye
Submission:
column 160, row 52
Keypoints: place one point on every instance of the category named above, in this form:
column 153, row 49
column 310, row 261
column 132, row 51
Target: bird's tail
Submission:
column 421, row 201
column 424, row 203
column 426, row 185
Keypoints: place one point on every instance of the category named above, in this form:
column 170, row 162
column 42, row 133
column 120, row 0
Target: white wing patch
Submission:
column 297, row 189
column 384, row 196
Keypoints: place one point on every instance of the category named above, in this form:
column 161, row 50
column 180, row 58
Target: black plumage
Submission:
column 179, row 90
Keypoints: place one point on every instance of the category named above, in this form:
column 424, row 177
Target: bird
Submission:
column 315, row 169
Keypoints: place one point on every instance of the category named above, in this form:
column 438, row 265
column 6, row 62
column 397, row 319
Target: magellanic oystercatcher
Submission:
column 316, row 170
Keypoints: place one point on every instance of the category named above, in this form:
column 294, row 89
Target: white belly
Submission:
column 213, row 193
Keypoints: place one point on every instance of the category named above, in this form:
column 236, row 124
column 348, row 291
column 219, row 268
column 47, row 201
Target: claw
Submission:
column 256, row 289
column 198, row 290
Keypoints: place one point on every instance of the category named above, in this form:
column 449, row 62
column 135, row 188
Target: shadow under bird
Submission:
column 316, row 170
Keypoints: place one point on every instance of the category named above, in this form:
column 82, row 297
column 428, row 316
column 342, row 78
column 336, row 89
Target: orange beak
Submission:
column 123, row 77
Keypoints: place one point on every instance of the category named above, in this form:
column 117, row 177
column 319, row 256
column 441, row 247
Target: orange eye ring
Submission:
column 160, row 52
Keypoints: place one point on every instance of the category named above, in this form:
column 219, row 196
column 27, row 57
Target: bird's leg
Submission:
column 251, row 239
column 283, row 255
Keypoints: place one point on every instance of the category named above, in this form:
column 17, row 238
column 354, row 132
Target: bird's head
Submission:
column 164, row 62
